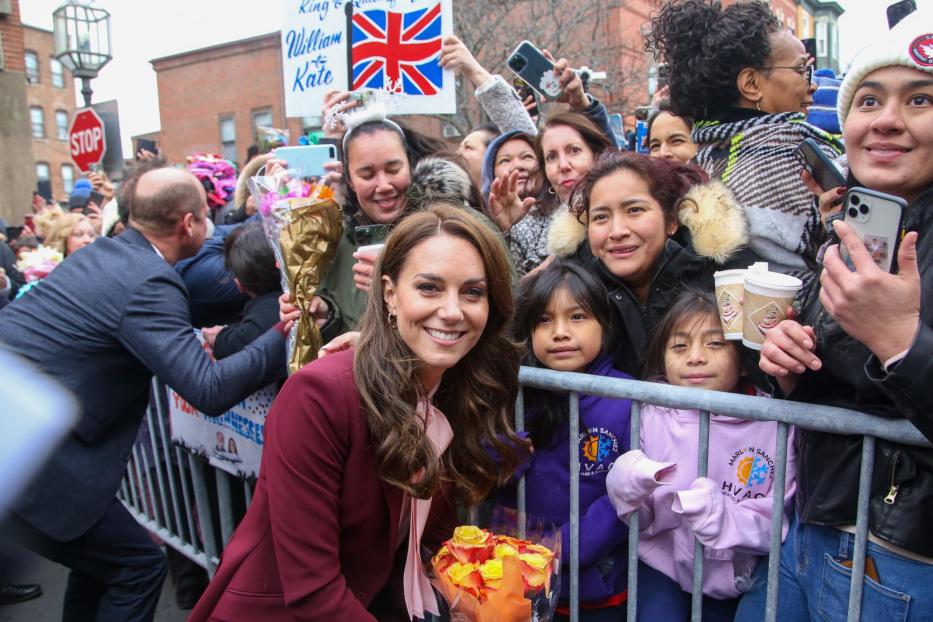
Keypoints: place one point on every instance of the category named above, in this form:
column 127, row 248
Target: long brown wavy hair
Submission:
column 477, row 395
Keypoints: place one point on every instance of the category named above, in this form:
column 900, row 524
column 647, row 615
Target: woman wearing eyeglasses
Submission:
column 747, row 82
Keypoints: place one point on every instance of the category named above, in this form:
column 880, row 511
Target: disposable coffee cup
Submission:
column 375, row 249
column 730, row 286
column 767, row 296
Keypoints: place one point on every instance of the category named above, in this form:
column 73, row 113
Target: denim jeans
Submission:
column 660, row 599
column 814, row 584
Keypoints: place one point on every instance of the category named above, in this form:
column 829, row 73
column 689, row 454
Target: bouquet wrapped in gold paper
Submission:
column 303, row 223
column 488, row 577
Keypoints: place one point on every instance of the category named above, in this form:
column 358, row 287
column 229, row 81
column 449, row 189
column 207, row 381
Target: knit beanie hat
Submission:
column 822, row 113
column 79, row 194
column 909, row 43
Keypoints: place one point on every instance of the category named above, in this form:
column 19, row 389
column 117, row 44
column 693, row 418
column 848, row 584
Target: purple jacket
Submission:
column 604, row 435
column 729, row 511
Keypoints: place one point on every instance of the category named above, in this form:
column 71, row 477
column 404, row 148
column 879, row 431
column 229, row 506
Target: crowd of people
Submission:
column 544, row 242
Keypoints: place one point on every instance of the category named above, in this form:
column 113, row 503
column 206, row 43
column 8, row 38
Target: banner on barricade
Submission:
column 393, row 46
column 231, row 442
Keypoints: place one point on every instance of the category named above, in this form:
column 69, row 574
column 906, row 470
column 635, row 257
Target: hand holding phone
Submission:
column 823, row 170
column 877, row 218
column 532, row 66
column 308, row 160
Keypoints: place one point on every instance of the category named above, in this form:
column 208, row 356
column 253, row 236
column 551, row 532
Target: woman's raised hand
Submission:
column 877, row 309
column 830, row 200
column 571, row 86
column 335, row 103
column 505, row 206
column 455, row 55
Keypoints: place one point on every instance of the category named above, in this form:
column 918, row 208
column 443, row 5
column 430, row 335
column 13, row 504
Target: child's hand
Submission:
column 288, row 311
column 634, row 477
column 210, row 334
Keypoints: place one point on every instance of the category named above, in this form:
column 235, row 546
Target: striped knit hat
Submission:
column 909, row 43
column 823, row 111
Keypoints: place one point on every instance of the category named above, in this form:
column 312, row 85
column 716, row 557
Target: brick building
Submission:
column 17, row 172
column 51, row 99
column 212, row 99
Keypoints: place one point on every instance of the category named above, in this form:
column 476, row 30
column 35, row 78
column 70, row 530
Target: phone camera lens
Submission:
column 854, row 199
column 517, row 63
column 863, row 208
column 853, row 212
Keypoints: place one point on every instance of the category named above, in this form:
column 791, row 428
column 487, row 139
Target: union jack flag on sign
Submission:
column 397, row 51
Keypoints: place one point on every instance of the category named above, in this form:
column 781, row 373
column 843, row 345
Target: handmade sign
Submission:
column 390, row 47
column 231, row 442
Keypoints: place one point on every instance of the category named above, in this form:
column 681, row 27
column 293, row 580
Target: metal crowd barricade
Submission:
column 177, row 495
column 820, row 418
column 186, row 502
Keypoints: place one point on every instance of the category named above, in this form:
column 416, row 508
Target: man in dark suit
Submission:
column 107, row 319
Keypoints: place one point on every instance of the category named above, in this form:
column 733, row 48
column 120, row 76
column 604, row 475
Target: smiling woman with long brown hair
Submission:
column 367, row 450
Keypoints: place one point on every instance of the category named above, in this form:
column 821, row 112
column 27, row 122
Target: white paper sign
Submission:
column 396, row 48
column 231, row 442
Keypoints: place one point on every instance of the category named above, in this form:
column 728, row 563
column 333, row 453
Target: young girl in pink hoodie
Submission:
column 730, row 509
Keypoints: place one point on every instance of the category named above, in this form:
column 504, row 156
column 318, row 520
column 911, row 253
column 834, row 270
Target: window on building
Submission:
column 68, row 178
column 228, row 138
column 61, row 124
column 58, row 74
column 32, row 67
column 822, row 49
column 262, row 118
column 37, row 119
column 42, row 171
column 834, row 43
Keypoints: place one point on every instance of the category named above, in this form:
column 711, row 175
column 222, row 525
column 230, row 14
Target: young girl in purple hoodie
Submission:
column 564, row 314
column 729, row 511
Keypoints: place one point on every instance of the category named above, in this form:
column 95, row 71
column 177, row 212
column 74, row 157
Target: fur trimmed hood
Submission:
column 250, row 170
column 716, row 222
column 438, row 179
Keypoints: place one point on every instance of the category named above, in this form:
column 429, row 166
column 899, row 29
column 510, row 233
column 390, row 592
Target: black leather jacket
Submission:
column 851, row 377
column 678, row 267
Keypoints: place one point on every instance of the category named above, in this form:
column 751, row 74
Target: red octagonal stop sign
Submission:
column 86, row 136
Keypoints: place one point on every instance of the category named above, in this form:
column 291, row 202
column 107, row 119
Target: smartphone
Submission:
column 97, row 199
column 370, row 235
column 148, row 145
column 900, row 10
column 664, row 75
column 30, row 220
column 524, row 92
column 878, row 219
column 823, row 170
column 308, row 160
column 529, row 64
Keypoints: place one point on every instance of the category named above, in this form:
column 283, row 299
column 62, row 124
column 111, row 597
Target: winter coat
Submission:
column 604, row 436
column 714, row 236
column 502, row 104
column 852, row 377
column 729, row 510
column 753, row 154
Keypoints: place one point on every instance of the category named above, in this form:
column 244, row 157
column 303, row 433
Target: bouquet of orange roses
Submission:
column 488, row 577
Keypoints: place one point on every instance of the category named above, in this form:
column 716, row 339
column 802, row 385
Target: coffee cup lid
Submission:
column 773, row 279
column 724, row 274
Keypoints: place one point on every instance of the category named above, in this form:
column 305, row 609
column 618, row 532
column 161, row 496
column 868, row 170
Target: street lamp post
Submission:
column 82, row 40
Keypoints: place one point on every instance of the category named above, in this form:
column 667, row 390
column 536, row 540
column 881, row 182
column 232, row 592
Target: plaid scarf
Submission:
column 755, row 159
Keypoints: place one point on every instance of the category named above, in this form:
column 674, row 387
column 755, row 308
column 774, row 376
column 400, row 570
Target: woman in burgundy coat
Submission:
column 367, row 450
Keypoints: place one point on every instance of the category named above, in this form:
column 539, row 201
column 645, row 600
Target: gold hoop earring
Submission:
column 393, row 320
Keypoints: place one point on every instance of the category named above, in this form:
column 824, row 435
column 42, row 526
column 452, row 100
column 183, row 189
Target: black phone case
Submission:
column 820, row 167
column 536, row 70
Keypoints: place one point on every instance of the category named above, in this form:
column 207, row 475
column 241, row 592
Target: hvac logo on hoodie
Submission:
column 599, row 449
column 752, row 472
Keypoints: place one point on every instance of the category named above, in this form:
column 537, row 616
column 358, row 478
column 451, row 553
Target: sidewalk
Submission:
column 48, row 607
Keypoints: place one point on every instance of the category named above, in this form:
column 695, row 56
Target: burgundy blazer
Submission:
column 319, row 539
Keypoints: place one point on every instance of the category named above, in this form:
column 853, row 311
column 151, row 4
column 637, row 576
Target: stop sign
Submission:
column 88, row 144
